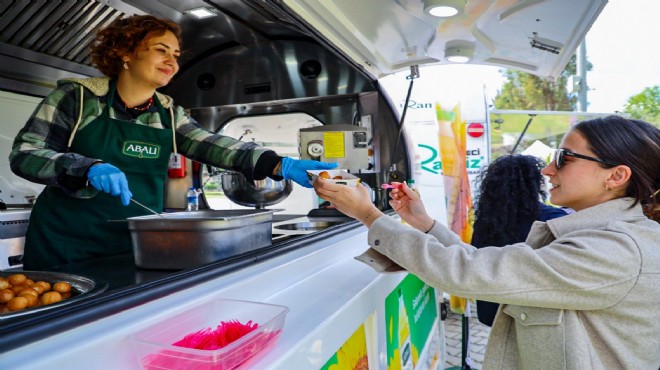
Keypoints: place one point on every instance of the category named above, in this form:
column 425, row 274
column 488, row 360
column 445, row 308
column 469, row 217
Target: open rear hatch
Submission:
column 535, row 36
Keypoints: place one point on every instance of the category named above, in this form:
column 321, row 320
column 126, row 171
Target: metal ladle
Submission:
column 145, row 207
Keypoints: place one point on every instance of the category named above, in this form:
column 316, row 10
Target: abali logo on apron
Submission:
column 141, row 150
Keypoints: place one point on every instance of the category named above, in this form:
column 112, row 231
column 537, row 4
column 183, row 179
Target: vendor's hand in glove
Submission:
column 296, row 170
column 408, row 205
column 109, row 179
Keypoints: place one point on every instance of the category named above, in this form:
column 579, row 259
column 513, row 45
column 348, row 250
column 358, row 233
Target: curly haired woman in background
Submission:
column 508, row 202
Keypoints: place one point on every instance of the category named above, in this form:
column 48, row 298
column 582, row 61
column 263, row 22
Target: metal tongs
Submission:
column 145, row 207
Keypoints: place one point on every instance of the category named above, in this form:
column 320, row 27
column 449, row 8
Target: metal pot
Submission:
column 259, row 193
column 179, row 240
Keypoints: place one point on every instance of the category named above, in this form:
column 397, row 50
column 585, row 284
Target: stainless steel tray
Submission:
column 207, row 219
column 187, row 239
column 81, row 288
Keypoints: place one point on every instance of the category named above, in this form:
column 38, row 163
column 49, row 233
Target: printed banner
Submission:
column 410, row 314
column 352, row 355
column 460, row 211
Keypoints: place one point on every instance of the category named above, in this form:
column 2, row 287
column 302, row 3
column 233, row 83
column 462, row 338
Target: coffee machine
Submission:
column 348, row 145
column 342, row 143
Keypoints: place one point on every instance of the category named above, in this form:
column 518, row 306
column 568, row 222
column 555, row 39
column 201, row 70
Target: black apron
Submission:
column 64, row 229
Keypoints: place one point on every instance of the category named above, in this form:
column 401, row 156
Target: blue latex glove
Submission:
column 109, row 179
column 296, row 169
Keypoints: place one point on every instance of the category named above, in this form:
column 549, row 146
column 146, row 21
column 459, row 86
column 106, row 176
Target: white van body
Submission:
column 327, row 59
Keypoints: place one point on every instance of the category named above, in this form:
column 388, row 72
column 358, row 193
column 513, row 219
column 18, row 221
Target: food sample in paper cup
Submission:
column 336, row 176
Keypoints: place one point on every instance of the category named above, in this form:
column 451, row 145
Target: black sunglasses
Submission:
column 560, row 158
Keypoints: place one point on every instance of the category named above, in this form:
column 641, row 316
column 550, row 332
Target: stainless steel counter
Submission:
column 130, row 286
column 328, row 294
column 304, row 225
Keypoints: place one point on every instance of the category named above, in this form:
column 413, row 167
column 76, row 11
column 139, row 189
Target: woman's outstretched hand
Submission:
column 353, row 201
column 408, row 205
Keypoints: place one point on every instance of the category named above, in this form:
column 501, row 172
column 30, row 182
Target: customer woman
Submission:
column 92, row 140
column 508, row 201
column 582, row 291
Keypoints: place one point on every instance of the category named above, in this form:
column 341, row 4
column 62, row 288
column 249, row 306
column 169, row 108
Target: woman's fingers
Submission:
column 327, row 190
column 342, row 195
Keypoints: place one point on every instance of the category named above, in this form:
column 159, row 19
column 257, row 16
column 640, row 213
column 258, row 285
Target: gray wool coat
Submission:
column 582, row 292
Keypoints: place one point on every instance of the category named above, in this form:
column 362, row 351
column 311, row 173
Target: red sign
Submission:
column 475, row 129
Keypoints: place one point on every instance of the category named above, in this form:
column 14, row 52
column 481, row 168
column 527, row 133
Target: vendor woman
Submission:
column 81, row 143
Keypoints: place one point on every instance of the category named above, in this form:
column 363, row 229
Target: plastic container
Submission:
column 154, row 350
column 192, row 200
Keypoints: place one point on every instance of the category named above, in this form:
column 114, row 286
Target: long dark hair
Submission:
column 630, row 142
column 508, row 197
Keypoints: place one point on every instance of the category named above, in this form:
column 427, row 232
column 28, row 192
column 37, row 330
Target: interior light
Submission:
column 201, row 13
column 444, row 8
column 459, row 52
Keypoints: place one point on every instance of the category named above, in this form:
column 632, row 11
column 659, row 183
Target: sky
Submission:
column 623, row 45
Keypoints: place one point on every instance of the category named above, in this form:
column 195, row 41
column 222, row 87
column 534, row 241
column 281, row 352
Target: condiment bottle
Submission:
column 411, row 185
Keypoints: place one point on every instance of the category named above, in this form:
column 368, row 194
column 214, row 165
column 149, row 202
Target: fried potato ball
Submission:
column 6, row 295
column 17, row 303
column 4, row 284
column 32, row 299
column 16, row 279
column 62, row 287
column 338, row 177
column 324, row 175
column 44, row 284
column 50, row 298
column 18, row 288
column 28, row 291
column 38, row 288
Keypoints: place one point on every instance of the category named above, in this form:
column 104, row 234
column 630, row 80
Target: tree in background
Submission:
column 645, row 105
column 525, row 91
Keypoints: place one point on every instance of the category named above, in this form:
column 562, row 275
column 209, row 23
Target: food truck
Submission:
column 300, row 77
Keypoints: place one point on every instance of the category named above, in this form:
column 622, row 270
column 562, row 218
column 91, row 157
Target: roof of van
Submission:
column 41, row 42
column 386, row 36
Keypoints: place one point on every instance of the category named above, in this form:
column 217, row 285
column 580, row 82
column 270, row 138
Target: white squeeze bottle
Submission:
column 405, row 349
column 192, row 199
column 411, row 184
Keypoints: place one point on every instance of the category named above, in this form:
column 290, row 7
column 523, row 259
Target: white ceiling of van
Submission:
column 387, row 36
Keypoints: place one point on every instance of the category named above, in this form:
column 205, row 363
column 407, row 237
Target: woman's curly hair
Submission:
column 509, row 192
column 125, row 36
